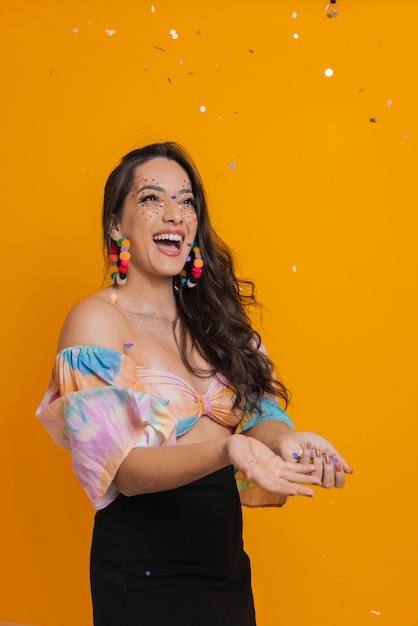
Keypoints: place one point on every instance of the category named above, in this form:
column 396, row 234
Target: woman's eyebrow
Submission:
column 159, row 188
column 186, row 190
column 153, row 187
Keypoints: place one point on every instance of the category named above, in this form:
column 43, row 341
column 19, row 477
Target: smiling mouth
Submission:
column 168, row 241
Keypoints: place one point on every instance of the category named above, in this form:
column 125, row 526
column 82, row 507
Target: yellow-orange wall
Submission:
column 319, row 203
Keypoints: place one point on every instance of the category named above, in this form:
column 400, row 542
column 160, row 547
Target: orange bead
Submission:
column 198, row 263
column 124, row 256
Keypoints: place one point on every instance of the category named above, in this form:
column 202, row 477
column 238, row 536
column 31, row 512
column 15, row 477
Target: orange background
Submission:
column 319, row 204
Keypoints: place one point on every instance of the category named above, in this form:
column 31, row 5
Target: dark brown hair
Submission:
column 213, row 317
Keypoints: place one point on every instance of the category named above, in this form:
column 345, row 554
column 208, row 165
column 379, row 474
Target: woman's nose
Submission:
column 172, row 210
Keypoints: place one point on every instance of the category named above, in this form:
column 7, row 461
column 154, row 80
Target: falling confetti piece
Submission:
column 329, row 72
column 110, row 32
column 128, row 345
column 294, row 15
column 293, row 268
column 375, row 612
column 152, row 9
column 75, row 30
column 147, row 573
column 232, row 166
column 332, row 10
column 389, row 102
column 295, row 36
column 198, row 32
column 158, row 48
column 252, row 51
column 372, row 120
column 181, row 61
column 174, row 34
column 202, row 108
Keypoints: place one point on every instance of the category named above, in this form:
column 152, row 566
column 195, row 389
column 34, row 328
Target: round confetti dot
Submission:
column 295, row 36
column 232, row 166
column 329, row 72
column 152, row 9
column 294, row 15
column 389, row 102
column 75, row 30
column 202, row 108
column 293, row 268
column 174, row 34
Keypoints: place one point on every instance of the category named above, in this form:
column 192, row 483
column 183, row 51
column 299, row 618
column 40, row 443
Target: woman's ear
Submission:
column 115, row 233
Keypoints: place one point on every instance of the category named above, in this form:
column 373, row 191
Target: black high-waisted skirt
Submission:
column 173, row 558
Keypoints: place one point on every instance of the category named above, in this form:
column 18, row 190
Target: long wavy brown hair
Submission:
column 213, row 317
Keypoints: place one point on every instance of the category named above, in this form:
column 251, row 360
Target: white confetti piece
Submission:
column 75, row 30
column 174, row 34
column 389, row 102
column 152, row 9
column 375, row 612
column 110, row 32
column 329, row 72
column 295, row 36
column 202, row 108
column 294, row 15
column 293, row 268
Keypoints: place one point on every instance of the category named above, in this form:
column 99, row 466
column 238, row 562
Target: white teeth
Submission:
column 169, row 236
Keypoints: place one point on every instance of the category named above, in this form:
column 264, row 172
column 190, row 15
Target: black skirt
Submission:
column 173, row 558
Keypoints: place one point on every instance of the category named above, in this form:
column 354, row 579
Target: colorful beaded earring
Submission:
column 119, row 259
column 194, row 266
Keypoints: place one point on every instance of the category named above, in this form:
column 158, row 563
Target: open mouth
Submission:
column 168, row 241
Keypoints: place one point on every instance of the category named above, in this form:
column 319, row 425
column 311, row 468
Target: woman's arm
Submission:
column 147, row 470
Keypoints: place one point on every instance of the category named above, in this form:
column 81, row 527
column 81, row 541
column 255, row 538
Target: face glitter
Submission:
column 149, row 198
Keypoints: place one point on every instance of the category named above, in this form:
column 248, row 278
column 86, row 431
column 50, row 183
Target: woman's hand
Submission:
column 306, row 447
column 268, row 470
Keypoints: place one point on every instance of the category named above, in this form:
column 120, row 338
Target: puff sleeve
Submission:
column 96, row 407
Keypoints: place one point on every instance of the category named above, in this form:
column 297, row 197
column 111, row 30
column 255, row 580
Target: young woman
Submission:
column 168, row 403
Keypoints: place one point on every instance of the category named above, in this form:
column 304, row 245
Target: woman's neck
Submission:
column 149, row 298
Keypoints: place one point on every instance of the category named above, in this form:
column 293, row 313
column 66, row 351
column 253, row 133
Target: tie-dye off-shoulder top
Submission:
column 100, row 405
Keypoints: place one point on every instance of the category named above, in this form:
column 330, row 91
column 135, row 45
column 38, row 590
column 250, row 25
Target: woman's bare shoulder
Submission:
column 93, row 321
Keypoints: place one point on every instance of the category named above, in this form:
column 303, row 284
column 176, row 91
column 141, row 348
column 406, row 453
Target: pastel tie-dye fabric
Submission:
column 100, row 405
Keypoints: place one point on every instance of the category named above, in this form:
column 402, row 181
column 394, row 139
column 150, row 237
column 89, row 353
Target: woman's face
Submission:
column 158, row 218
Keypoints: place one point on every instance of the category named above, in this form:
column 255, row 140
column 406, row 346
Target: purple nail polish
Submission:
column 296, row 456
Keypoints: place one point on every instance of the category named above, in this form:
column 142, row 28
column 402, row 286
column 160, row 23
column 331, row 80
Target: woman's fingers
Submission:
column 327, row 468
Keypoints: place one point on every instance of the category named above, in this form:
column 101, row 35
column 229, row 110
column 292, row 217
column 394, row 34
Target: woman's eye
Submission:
column 149, row 198
column 190, row 202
